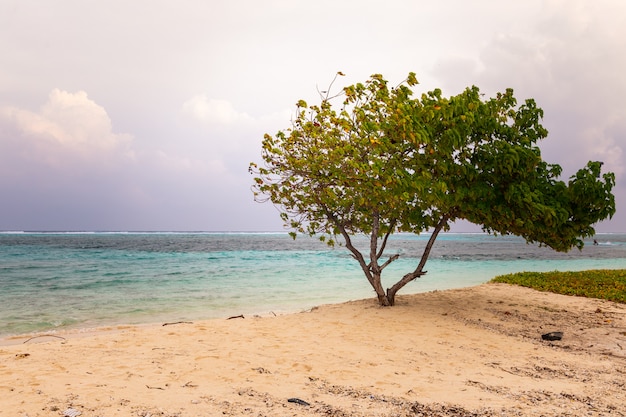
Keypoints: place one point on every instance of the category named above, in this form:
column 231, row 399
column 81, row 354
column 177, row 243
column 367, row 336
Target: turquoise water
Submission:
column 66, row 280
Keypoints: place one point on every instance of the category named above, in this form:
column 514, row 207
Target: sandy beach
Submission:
column 471, row 352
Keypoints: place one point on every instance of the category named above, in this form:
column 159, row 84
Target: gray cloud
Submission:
column 567, row 62
column 144, row 115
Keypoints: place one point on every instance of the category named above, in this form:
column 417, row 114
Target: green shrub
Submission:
column 608, row 284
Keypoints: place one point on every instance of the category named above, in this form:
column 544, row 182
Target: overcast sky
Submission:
column 144, row 114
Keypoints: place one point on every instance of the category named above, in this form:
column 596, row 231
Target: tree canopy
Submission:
column 381, row 161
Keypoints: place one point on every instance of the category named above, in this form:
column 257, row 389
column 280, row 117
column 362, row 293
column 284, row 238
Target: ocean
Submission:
column 54, row 281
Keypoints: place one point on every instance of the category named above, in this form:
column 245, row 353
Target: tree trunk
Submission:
column 390, row 297
column 391, row 292
column 373, row 270
column 384, row 301
column 380, row 292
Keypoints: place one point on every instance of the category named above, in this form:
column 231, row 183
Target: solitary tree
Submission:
column 385, row 162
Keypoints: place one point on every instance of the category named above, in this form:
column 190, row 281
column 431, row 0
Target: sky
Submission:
column 143, row 115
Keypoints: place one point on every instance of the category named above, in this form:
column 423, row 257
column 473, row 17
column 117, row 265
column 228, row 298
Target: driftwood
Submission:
column 236, row 317
column 44, row 335
column 177, row 322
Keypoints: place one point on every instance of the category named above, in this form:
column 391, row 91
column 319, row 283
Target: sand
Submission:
column 470, row 352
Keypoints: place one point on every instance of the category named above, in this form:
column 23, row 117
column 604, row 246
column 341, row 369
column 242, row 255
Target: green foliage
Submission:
column 333, row 169
column 608, row 284
column 383, row 161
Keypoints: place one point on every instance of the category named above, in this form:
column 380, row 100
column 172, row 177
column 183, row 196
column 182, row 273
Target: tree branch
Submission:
column 442, row 222
column 374, row 242
column 325, row 95
column 419, row 270
column 390, row 260
column 392, row 226
column 356, row 254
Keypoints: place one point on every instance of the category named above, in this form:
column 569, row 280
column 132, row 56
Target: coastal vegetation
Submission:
column 606, row 284
column 382, row 162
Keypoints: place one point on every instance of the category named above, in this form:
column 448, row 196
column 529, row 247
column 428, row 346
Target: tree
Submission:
column 386, row 162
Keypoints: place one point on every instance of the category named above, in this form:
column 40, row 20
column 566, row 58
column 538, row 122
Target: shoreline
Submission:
column 454, row 352
column 77, row 281
column 79, row 330
column 68, row 333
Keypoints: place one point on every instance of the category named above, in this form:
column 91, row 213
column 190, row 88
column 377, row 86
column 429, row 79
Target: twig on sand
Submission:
column 44, row 335
column 236, row 317
column 177, row 322
column 149, row 387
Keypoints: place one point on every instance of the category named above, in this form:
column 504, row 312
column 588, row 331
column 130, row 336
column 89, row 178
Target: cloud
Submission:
column 69, row 130
column 61, row 162
column 566, row 63
column 218, row 130
column 195, row 107
column 213, row 111
column 64, row 167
